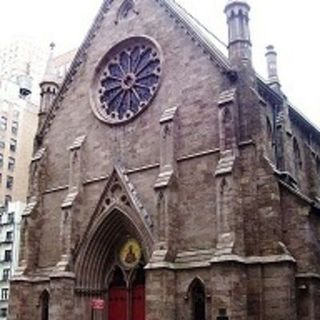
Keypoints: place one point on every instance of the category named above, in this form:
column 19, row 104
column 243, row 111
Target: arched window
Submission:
column 198, row 300
column 228, row 134
column 297, row 156
column 44, row 304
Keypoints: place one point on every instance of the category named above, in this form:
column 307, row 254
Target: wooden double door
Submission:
column 127, row 303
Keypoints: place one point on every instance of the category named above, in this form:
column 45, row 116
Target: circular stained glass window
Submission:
column 127, row 80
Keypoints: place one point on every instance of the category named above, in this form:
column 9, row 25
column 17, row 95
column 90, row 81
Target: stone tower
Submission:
column 49, row 87
column 239, row 43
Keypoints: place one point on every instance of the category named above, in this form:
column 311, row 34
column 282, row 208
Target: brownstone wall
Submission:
column 264, row 220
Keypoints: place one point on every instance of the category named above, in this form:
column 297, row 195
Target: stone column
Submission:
column 226, row 205
column 62, row 288
column 229, row 289
column 166, row 188
column 160, row 294
column 68, row 222
column 29, row 232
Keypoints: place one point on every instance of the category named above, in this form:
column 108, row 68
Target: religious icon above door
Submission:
column 130, row 254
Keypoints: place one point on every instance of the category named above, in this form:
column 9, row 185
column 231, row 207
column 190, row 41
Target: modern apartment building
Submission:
column 10, row 218
column 23, row 56
column 18, row 124
column 22, row 68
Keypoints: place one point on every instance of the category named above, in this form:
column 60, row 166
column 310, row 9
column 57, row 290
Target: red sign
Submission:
column 97, row 304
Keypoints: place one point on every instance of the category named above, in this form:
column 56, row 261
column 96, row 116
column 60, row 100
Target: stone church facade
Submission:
column 168, row 181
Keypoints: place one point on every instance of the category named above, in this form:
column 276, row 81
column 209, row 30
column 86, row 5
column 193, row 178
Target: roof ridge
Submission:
column 194, row 30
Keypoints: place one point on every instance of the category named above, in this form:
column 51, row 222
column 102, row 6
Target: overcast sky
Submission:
column 292, row 26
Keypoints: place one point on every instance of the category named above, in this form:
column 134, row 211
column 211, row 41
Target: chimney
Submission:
column 272, row 66
column 239, row 43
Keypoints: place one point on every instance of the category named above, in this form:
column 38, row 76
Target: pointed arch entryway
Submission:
column 44, row 304
column 197, row 296
column 110, row 261
column 111, row 266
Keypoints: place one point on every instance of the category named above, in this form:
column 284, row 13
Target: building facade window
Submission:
column 5, row 274
column 4, row 294
column 1, row 160
column 7, row 199
column 16, row 113
column 2, row 144
column 9, row 236
column 3, row 123
column 3, row 312
column 13, row 145
column 9, row 182
column 11, row 163
column 14, row 127
column 7, row 255
column 10, row 217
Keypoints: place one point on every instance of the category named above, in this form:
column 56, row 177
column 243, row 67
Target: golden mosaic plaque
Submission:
column 130, row 253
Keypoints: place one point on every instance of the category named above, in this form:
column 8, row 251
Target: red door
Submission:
column 138, row 302
column 117, row 306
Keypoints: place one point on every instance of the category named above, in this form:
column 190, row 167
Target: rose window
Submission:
column 128, row 80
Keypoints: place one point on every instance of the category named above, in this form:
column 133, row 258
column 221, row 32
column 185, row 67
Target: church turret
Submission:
column 272, row 66
column 49, row 86
column 239, row 44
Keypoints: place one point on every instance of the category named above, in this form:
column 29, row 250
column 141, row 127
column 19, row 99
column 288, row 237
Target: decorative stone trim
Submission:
column 39, row 154
column 225, row 164
column 198, row 154
column 77, row 142
column 168, row 114
column 126, row 80
column 167, row 147
column 163, row 179
column 124, row 10
column 227, row 97
column 228, row 258
column 69, row 200
column 30, row 207
column 308, row 275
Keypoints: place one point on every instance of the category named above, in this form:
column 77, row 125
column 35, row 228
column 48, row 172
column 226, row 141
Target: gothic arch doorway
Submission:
column 110, row 266
column 198, row 300
column 44, row 305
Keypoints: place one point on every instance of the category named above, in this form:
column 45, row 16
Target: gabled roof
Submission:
column 198, row 33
